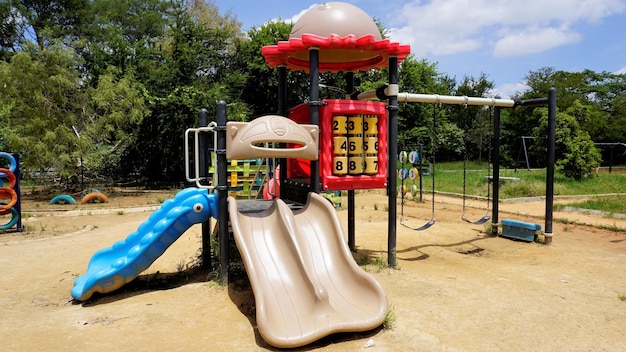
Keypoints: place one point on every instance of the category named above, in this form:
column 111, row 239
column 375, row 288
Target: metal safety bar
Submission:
column 435, row 98
column 196, row 151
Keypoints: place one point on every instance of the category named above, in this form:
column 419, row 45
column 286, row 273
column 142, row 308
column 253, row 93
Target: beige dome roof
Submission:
column 346, row 38
column 337, row 18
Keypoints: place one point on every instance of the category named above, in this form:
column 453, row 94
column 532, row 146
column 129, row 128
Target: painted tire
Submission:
column 403, row 157
column 9, row 176
column 8, row 193
column 414, row 191
column 12, row 162
column 93, row 197
column 414, row 157
column 12, row 222
column 63, row 199
column 4, row 212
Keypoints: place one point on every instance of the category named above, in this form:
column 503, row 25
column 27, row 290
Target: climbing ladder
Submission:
column 245, row 177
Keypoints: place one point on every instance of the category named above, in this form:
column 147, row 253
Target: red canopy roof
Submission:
column 336, row 53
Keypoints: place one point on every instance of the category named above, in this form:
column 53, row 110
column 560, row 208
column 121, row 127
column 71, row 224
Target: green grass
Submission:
column 390, row 318
column 449, row 178
column 614, row 205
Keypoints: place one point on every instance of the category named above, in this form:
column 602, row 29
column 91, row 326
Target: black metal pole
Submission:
column 535, row 102
column 351, row 193
column 314, row 112
column 392, row 138
column 282, row 90
column 222, row 191
column 203, row 121
column 18, row 204
column 420, row 173
column 550, row 166
column 496, row 170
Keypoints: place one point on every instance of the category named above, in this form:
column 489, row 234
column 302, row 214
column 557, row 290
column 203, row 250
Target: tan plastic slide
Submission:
column 305, row 282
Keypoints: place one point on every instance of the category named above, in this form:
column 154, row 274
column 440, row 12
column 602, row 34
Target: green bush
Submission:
column 580, row 159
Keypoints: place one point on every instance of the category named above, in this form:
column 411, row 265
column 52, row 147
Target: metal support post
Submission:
column 222, row 191
column 392, row 182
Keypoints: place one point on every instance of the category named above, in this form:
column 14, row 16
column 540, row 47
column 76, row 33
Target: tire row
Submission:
column 8, row 191
column 91, row 195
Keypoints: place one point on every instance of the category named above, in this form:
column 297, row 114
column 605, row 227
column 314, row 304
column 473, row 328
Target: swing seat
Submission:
column 480, row 221
column 520, row 230
column 426, row 225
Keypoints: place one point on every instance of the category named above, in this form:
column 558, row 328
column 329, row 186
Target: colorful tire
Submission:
column 414, row 157
column 9, row 176
column 8, row 193
column 94, row 197
column 403, row 157
column 14, row 217
column 414, row 191
column 4, row 212
column 62, row 199
column 12, row 162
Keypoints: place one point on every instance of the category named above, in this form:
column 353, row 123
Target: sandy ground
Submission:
column 454, row 288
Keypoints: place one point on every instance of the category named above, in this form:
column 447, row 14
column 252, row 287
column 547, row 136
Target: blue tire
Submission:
column 14, row 217
column 63, row 199
column 12, row 162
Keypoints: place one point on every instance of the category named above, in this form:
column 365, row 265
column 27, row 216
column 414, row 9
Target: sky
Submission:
column 505, row 39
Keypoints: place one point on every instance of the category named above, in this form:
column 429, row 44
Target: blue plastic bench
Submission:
column 520, row 230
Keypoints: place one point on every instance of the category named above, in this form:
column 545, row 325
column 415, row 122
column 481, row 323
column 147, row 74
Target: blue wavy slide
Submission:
column 110, row 268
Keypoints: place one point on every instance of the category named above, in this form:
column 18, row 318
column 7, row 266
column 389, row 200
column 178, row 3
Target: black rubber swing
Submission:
column 487, row 217
column 431, row 222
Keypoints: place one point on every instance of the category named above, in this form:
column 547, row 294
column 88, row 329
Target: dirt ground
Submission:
column 454, row 288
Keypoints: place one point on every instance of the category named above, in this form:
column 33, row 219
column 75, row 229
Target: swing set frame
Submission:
column 392, row 94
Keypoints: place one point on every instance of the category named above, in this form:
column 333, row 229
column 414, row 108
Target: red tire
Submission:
column 7, row 193
column 10, row 176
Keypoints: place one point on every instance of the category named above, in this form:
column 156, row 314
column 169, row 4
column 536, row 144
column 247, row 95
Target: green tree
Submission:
column 260, row 88
column 119, row 106
column 41, row 101
column 415, row 121
column 596, row 96
column 575, row 152
column 475, row 121
column 122, row 34
column 190, row 68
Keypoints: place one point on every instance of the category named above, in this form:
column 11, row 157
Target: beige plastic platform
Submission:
column 245, row 139
column 305, row 282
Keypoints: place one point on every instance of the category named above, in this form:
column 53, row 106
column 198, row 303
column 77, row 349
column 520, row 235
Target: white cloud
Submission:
column 507, row 27
column 507, row 90
column 621, row 71
column 297, row 16
column 293, row 18
column 533, row 40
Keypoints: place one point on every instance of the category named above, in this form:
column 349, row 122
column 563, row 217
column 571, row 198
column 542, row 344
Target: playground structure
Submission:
column 281, row 245
column 304, row 279
column 11, row 191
